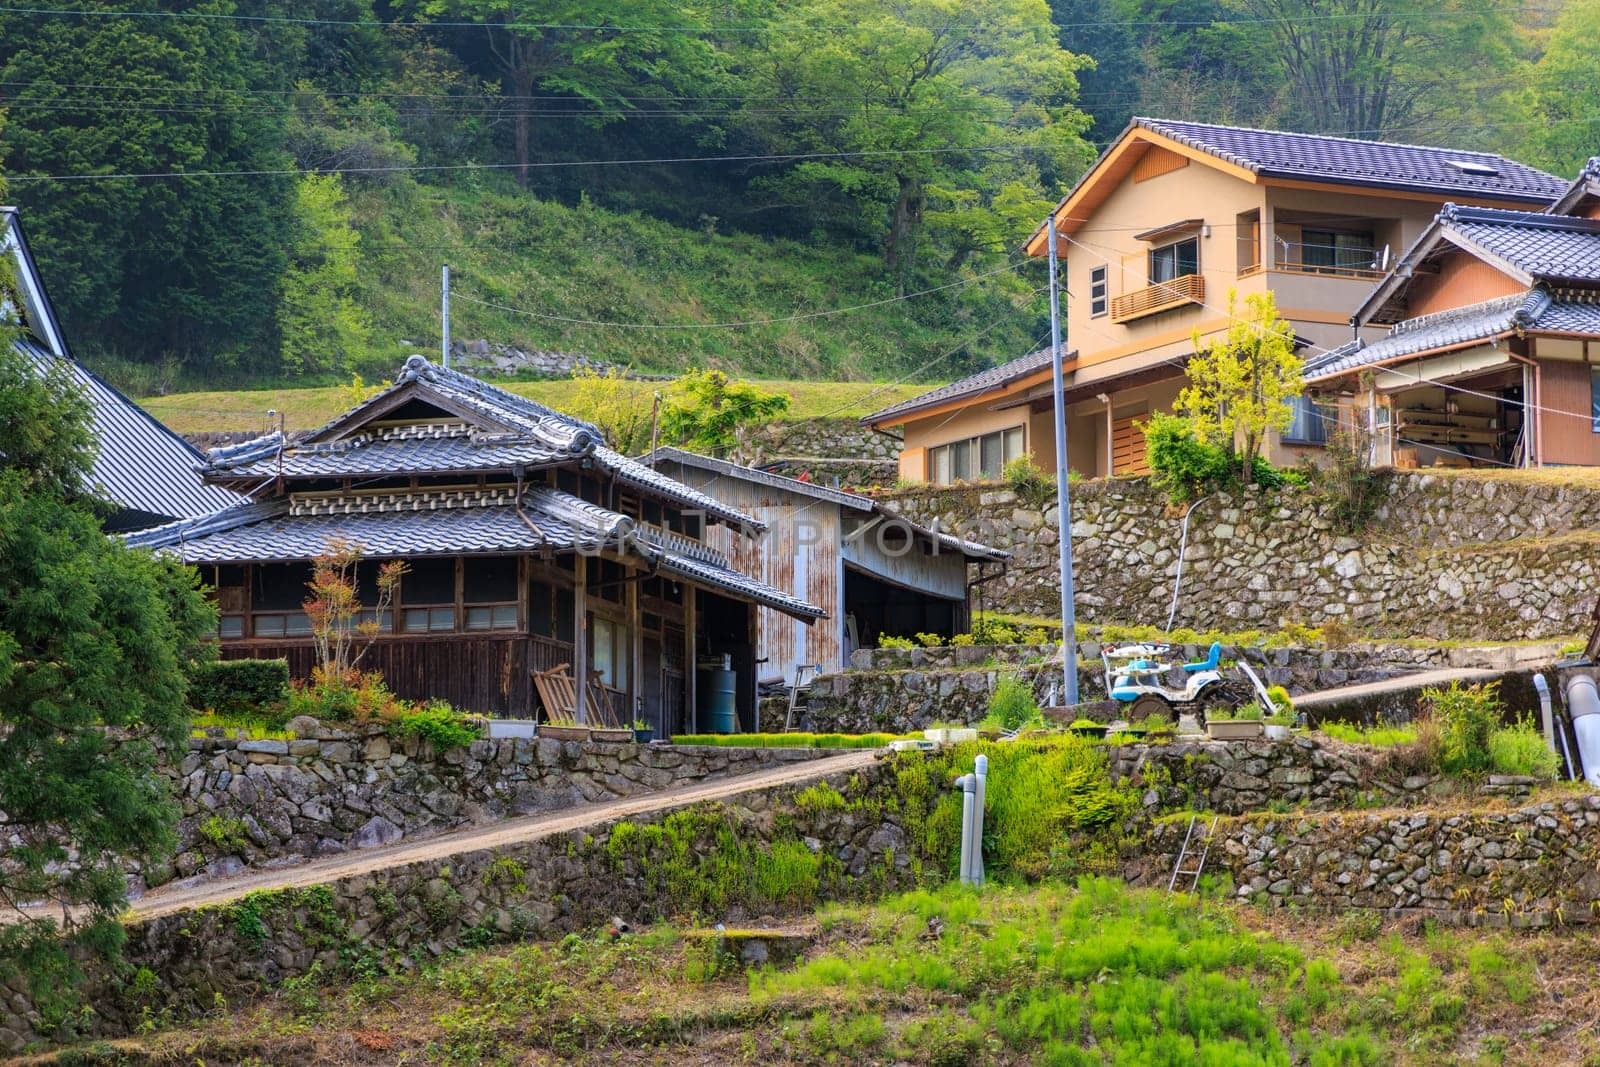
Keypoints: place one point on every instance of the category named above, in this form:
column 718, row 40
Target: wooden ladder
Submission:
column 1188, row 851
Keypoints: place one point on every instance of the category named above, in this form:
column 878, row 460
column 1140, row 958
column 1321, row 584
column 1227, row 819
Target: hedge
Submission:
column 235, row 686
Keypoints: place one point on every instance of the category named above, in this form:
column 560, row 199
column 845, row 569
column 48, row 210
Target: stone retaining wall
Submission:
column 902, row 690
column 1457, row 556
column 1534, row 865
column 246, row 803
column 401, row 915
column 826, row 450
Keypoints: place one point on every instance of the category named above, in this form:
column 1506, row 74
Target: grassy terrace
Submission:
column 304, row 409
column 1092, row 974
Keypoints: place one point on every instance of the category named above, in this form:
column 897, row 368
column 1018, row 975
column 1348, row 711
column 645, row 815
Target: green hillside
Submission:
column 305, row 409
column 589, row 263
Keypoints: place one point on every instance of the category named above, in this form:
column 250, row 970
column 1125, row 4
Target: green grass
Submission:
column 1382, row 735
column 792, row 740
column 305, row 409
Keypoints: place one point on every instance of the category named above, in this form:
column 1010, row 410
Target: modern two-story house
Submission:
column 1152, row 239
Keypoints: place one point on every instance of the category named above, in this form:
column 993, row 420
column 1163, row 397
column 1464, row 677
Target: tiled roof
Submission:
column 1556, row 248
column 537, row 435
column 280, row 530
column 1565, row 311
column 148, row 471
column 1445, row 171
column 972, row 385
column 1586, row 184
column 854, row 501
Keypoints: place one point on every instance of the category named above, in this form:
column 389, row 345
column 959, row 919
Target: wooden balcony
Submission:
column 1153, row 299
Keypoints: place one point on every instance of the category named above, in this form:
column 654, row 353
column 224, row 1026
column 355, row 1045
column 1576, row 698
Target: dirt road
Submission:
column 175, row 897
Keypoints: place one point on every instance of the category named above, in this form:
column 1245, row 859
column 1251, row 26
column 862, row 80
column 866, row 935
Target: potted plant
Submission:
column 614, row 734
column 1087, row 728
column 643, row 732
column 1278, row 725
column 563, row 729
column 1242, row 724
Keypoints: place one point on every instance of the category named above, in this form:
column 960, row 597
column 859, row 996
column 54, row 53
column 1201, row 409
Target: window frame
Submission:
column 942, row 458
column 1313, row 413
column 1099, row 292
column 1158, row 254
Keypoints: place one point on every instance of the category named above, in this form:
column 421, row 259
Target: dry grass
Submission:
column 305, row 409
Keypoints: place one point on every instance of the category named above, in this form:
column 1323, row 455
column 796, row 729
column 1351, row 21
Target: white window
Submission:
column 1098, row 300
column 610, row 652
column 980, row 458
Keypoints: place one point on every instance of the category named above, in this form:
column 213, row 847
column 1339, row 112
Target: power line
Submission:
column 799, row 317
column 762, row 28
column 532, row 165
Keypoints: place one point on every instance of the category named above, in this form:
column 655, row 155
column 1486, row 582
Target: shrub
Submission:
column 1012, row 705
column 1026, row 480
column 1466, row 715
column 930, row 640
column 988, row 631
column 963, row 641
column 1520, row 749
column 888, row 641
column 1280, row 698
column 238, row 686
column 1036, row 636
column 436, row 722
column 1349, row 490
column 1184, row 466
column 361, row 696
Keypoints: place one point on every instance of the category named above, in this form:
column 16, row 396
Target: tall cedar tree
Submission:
column 93, row 639
column 145, row 267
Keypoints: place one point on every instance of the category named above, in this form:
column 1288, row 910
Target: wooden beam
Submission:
column 580, row 638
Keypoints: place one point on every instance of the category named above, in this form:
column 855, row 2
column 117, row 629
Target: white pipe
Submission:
column 1547, row 718
column 1583, row 706
column 968, row 786
column 981, row 777
column 1183, row 545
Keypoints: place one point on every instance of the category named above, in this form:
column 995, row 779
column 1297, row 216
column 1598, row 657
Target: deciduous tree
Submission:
column 1241, row 384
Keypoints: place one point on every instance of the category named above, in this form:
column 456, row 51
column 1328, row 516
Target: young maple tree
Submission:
column 339, row 633
column 1241, row 385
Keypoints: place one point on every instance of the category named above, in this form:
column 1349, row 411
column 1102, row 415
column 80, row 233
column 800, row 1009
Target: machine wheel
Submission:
column 1148, row 704
column 1220, row 697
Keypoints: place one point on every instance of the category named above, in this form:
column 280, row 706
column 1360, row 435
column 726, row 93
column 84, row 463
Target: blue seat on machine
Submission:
column 1210, row 663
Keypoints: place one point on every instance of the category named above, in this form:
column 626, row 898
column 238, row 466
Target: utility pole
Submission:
column 1069, row 632
column 444, row 315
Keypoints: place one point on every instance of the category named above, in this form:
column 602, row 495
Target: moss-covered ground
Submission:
column 1092, row 973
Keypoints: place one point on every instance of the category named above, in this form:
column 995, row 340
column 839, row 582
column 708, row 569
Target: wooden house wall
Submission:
column 1566, row 423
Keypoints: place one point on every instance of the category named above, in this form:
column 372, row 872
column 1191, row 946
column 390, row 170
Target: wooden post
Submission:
column 692, row 668
column 580, row 640
column 635, row 653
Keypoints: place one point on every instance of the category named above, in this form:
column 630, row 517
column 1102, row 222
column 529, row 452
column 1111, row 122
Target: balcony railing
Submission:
column 1163, row 296
column 1343, row 261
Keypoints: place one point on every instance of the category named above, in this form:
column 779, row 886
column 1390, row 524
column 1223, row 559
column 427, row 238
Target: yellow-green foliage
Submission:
column 1051, row 805
column 1380, row 736
column 1103, row 974
column 793, row 740
column 697, row 862
column 1240, row 385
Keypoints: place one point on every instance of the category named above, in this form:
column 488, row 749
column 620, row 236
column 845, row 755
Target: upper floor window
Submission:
column 1176, row 260
column 1337, row 250
column 1098, row 300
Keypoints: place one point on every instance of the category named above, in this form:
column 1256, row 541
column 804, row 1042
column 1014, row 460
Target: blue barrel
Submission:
column 715, row 699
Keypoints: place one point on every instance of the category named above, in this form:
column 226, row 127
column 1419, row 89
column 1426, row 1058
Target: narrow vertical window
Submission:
column 1098, row 300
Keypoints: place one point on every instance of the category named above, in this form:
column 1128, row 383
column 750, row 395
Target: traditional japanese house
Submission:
column 876, row 572
column 529, row 543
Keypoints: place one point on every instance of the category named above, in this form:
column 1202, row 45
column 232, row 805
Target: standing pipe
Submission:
column 1547, row 718
column 980, row 776
column 968, row 786
column 1583, row 707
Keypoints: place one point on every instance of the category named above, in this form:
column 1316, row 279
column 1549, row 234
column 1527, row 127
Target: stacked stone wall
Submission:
column 828, row 451
column 1447, row 556
column 247, row 803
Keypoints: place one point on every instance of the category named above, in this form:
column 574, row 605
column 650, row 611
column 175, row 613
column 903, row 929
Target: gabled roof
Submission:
column 1275, row 155
column 856, row 502
column 502, row 431
column 485, row 521
column 1583, row 190
column 1347, row 161
column 1539, row 310
column 148, row 471
column 1531, row 247
column 972, row 386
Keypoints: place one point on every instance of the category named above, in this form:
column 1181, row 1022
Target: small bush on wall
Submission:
column 238, row 686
